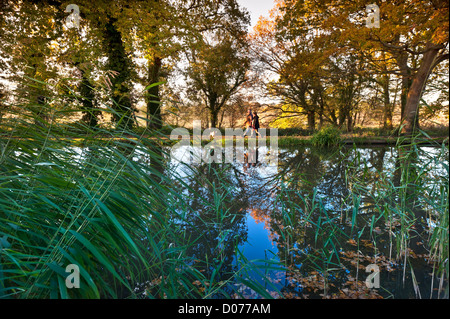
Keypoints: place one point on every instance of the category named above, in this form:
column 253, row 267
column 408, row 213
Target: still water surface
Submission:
column 318, row 213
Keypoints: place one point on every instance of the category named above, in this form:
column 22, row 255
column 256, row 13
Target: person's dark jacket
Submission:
column 255, row 123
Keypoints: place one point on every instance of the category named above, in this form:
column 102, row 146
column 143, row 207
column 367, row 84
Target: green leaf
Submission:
column 154, row 84
column 118, row 226
column 99, row 255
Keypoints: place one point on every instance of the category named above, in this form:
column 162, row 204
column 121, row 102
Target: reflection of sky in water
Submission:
column 259, row 245
column 302, row 168
column 330, row 179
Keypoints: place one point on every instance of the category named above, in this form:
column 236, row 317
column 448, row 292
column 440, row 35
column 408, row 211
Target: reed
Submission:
column 106, row 201
column 412, row 198
column 140, row 226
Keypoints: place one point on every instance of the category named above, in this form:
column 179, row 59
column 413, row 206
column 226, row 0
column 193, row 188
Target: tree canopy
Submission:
column 332, row 44
column 322, row 61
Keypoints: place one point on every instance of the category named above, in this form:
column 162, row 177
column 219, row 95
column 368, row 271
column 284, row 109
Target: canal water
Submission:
column 322, row 222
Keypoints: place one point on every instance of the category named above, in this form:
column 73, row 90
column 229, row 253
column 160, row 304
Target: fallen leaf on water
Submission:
column 351, row 242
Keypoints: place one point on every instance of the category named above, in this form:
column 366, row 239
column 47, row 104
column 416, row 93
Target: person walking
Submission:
column 255, row 124
column 248, row 123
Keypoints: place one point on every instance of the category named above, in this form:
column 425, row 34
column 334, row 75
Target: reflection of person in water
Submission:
column 250, row 158
column 253, row 156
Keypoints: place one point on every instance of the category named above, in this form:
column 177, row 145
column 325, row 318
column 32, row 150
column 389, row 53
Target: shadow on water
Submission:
column 327, row 216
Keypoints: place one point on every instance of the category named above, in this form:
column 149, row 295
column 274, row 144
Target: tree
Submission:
column 312, row 77
column 415, row 33
column 217, row 70
column 28, row 31
column 172, row 27
column 157, row 30
column 87, row 95
column 296, row 82
column 347, row 82
column 41, row 45
column 119, row 62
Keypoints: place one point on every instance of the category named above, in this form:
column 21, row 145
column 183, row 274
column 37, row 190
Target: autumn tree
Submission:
column 415, row 33
column 380, row 71
column 176, row 27
column 312, row 78
column 28, row 31
column 78, row 50
column 216, row 71
column 123, row 32
column 44, row 53
column 281, row 61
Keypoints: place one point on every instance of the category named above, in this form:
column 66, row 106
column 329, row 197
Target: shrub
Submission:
column 327, row 136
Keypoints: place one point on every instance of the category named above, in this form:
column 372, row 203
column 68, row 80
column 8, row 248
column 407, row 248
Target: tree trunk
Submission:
column 87, row 101
column 342, row 117
column 213, row 117
column 40, row 112
column 402, row 62
column 387, row 116
column 214, row 108
column 118, row 61
column 321, row 111
column 349, row 121
column 311, row 120
column 221, row 118
column 154, row 119
column 411, row 114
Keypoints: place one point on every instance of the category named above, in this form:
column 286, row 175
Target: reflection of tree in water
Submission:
column 215, row 221
column 306, row 206
column 312, row 186
column 308, row 220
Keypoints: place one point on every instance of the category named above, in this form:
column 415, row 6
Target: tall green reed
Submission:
column 103, row 199
column 305, row 218
column 410, row 195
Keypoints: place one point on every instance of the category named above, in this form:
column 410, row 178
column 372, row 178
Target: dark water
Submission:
column 324, row 215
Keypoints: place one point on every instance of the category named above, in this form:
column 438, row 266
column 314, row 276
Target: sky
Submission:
column 257, row 8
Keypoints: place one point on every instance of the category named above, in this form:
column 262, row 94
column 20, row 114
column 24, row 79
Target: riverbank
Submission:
column 285, row 137
column 283, row 141
column 363, row 141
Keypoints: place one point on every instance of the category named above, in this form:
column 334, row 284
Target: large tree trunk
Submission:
column 411, row 114
column 405, row 72
column 87, row 100
column 118, row 62
column 213, row 117
column 154, row 119
column 349, row 121
column 311, row 120
column 40, row 112
column 214, row 108
column 321, row 115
